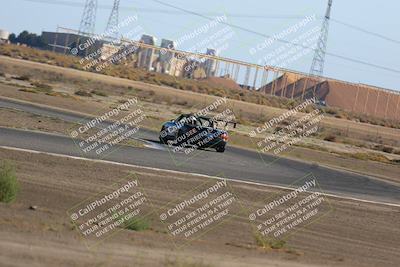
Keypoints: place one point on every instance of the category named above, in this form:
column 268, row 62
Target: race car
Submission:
column 194, row 131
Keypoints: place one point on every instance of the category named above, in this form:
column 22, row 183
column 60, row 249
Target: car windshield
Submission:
column 205, row 122
column 183, row 119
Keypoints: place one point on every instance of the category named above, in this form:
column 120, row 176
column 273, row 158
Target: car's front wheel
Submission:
column 163, row 140
column 220, row 149
column 163, row 136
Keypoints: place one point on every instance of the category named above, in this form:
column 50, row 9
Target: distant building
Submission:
column 166, row 57
column 210, row 65
column 4, row 35
column 357, row 98
column 193, row 69
column 147, row 56
column 64, row 42
column 178, row 63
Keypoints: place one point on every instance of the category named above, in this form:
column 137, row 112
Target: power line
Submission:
column 279, row 40
column 235, row 15
column 365, row 31
column 231, row 15
column 171, row 12
column 75, row 4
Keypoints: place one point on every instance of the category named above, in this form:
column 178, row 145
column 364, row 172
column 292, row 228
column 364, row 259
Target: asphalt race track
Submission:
column 235, row 163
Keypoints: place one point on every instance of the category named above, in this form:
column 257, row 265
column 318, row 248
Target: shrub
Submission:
column 83, row 93
column 99, row 93
column 339, row 116
column 330, row 111
column 136, row 224
column 388, row 149
column 370, row 156
column 180, row 102
column 8, row 182
column 42, row 87
column 28, row 90
column 265, row 242
column 330, row 138
column 23, row 78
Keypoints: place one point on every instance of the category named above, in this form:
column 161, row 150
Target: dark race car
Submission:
column 193, row 131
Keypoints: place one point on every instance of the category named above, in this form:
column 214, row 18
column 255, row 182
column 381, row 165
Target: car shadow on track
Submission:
column 166, row 146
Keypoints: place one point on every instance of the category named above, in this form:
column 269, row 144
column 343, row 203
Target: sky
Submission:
column 266, row 18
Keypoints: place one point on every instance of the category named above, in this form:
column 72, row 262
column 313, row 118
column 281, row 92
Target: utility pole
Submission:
column 317, row 67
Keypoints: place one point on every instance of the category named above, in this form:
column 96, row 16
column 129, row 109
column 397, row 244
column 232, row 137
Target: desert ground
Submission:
column 37, row 228
column 46, row 236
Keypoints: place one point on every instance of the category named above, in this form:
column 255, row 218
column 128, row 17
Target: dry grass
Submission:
column 136, row 74
column 268, row 243
column 199, row 86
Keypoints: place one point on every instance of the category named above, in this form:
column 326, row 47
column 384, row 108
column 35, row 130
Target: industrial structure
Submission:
column 4, row 35
column 166, row 57
column 232, row 73
column 210, row 65
column 88, row 21
column 236, row 74
column 112, row 24
column 317, row 66
column 64, row 40
column 358, row 98
column 146, row 56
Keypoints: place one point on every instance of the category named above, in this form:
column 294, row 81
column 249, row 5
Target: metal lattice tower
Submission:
column 317, row 67
column 112, row 25
column 88, row 20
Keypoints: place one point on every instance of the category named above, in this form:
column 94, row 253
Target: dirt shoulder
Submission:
column 349, row 234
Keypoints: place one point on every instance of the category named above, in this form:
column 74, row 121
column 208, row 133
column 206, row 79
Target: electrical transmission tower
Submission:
column 112, row 25
column 317, row 67
column 88, row 20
